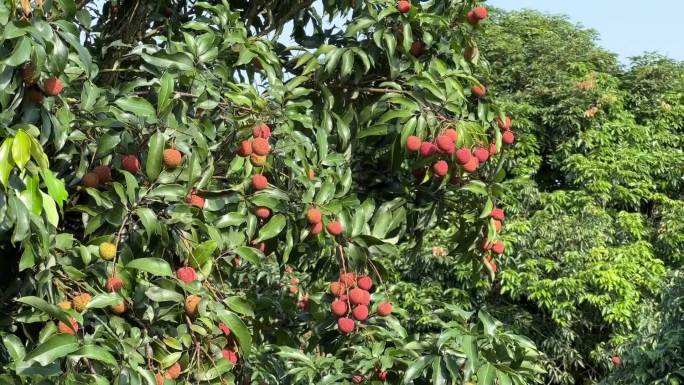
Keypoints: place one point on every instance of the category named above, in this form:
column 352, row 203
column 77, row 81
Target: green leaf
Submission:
column 95, row 352
column 250, row 254
column 6, row 161
column 181, row 61
column 165, row 92
column 21, row 149
column 50, row 209
column 220, row 368
column 57, row 346
column 238, row 328
column 157, row 294
column 154, row 266
column 240, row 305
column 136, row 105
column 202, row 253
column 230, row 219
column 325, row 193
column 54, row 186
column 271, row 229
column 14, row 347
column 154, row 155
column 20, row 54
column 486, row 374
column 149, row 220
column 101, row 301
column 415, row 370
column 50, row 309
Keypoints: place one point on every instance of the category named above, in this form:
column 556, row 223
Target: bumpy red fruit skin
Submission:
column 186, row 274
column 479, row 91
column 262, row 212
column 417, row 48
column 441, row 168
column 159, row 378
column 382, row 375
column 337, row 288
column 316, row 228
column 172, row 157
column 349, row 279
column 104, row 173
column 360, row 312
column 230, row 355
column 259, row 182
column 359, row 296
column 493, row 266
column 472, row 165
column 505, row 123
column 173, row 372
column 403, row 6
column 114, row 284
column 90, row 180
column 313, row 215
column 27, row 73
column 413, row 143
column 53, row 87
column 427, row 149
column 384, row 309
column 260, row 146
column 130, row 163
column 195, row 200
column 63, row 328
column 508, row 137
column 463, row 156
column 364, row 282
column 498, row 247
column 616, row 360
column 480, row 13
column 245, row 148
column 338, row 308
column 492, row 149
column 497, row 225
column 224, row 329
column 445, row 144
column 358, row 379
column 453, row 134
column 481, row 154
column 345, row 325
column 334, row 228
column 472, row 19
column 261, row 130
column 498, row 214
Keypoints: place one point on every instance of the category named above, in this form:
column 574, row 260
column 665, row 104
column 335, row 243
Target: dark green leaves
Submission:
column 154, row 266
column 136, row 105
column 154, row 155
column 54, row 348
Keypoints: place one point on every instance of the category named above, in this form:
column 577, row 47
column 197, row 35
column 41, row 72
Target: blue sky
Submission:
column 627, row 27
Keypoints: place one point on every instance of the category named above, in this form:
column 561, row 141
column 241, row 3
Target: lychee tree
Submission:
column 205, row 192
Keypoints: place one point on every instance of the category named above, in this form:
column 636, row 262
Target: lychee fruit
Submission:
column 382, row 375
column 427, row 149
column 65, row 329
column 453, row 134
column 417, row 48
column 259, row 182
column 313, row 215
column 358, row 379
column 81, row 301
column 498, row 214
column 349, row 279
column 497, row 225
column 316, row 228
column 463, row 156
column 480, row 13
column 440, row 168
column 616, row 360
column 334, row 228
column 195, row 200
column 90, row 180
column 64, row 305
column 359, row 296
column 338, row 308
column 224, row 329
column 230, row 355
column 364, row 282
column 260, row 146
column 337, row 288
column 53, row 86
column 498, row 247
column 345, row 325
column 159, row 378
column 119, row 308
column 508, row 137
column 261, row 131
column 27, row 73
column 493, row 266
column 403, row 6
column 191, row 304
column 492, row 149
column 413, row 143
column 114, row 284
column 472, row 165
column 262, row 212
column 479, row 91
column 107, row 251
column 472, row 19
column 186, row 274
column 104, row 173
column 446, row 144
column 505, row 123
column 360, row 312
column 245, row 148
column 173, row 372
column 481, row 154
column 172, row 158
column 384, row 309
column 258, row 160
column 130, row 163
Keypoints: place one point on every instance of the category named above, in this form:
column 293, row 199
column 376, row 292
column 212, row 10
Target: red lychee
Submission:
column 360, row 312
column 479, row 91
column 498, row 247
column 453, row 134
column 224, row 329
column 259, row 182
column 349, row 279
column 313, row 215
column 508, row 137
column 472, row 19
column 195, row 200
column 481, row 154
column 90, row 180
column 260, row 146
column 334, row 228
column 472, row 165
column 364, row 282
column 345, row 325
column 35, row 95
column 104, row 173
column 382, row 375
column 480, row 13
column 359, row 296
column 130, row 163
column 492, row 149
column 261, row 131
column 440, row 168
column 427, row 149
column 114, row 284
column 245, row 148
column 262, row 212
column 498, row 214
column 358, row 379
column 186, row 274
column 316, row 228
column 173, row 372
column 463, row 156
column 338, row 308
column 497, row 225
column 172, row 157
column 27, row 73
column 403, row 6
column 413, row 143
column 616, row 360
column 384, row 309
column 53, row 86
column 65, row 329
column 446, row 144
column 505, row 123
column 417, row 48
column 230, row 355
column 337, row 288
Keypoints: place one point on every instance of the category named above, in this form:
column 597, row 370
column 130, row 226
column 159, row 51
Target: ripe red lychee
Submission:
column 446, row 144
column 440, row 168
column 472, row 165
column 338, row 308
column 173, row 372
column 349, row 279
column 261, row 131
column 498, row 247
column 498, row 214
column 508, row 137
column 463, row 156
column 172, row 157
column 359, row 296
column 358, row 379
column 334, row 228
column 260, row 146
column 159, row 378
column 479, row 91
column 313, row 215
column 90, row 180
column 245, row 148
column 453, row 134
column 186, row 274
column 497, row 225
column 293, row 280
column 492, row 149
column 493, row 266
column 230, row 355
column 195, row 200
column 364, row 282
column 65, row 329
column 35, row 95
column 104, row 173
column 114, row 284
column 616, row 360
column 360, row 312
column 316, row 228
column 486, row 245
column 384, row 309
column 413, row 143
column 480, row 13
column 505, row 123
column 382, row 375
column 130, row 163
column 53, row 86
column 472, row 19
column 303, row 303
column 337, row 288
column 403, row 6
column 294, row 290
column 481, row 154
column 262, row 212
column 224, row 329
column 259, row 182
column 345, row 325
column 417, row 48
column 427, row 149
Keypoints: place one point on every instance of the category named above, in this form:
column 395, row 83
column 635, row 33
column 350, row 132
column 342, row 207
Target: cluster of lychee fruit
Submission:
column 352, row 300
column 52, row 86
column 100, row 175
column 476, row 15
column 497, row 247
column 79, row 303
column 507, row 135
column 315, row 219
column 257, row 149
